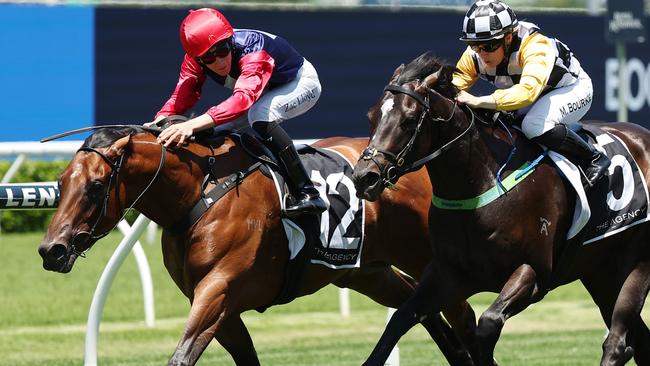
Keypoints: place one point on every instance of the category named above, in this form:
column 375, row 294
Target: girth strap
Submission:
column 211, row 197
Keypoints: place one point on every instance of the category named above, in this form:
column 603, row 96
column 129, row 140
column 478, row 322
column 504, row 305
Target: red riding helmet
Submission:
column 201, row 29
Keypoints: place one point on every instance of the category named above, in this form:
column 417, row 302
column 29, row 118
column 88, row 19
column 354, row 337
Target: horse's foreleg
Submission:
column 234, row 337
column 424, row 302
column 627, row 312
column 462, row 319
column 206, row 316
column 641, row 343
column 390, row 288
column 518, row 292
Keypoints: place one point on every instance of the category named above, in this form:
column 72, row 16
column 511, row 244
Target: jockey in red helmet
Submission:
column 202, row 29
column 535, row 75
column 270, row 82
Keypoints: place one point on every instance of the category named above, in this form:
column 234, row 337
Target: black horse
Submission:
column 514, row 245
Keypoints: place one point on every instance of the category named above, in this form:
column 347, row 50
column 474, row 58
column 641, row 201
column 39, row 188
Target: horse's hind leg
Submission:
column 604, row 288
column 390, row 288
column 519, row 291
column 625, row 317
column 234, row 338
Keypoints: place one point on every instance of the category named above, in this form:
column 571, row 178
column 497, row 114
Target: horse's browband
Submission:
column 395, row 89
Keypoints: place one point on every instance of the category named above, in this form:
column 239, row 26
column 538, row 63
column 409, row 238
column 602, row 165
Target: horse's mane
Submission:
column 105, row 137
column 425, row 65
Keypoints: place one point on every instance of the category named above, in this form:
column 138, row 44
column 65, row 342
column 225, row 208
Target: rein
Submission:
column 85, row 237
column 396, row 167
column 154, row 130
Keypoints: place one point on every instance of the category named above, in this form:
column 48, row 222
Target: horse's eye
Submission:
column 96, row 188
column 409, row 124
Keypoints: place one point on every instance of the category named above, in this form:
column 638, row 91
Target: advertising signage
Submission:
column 625, row 21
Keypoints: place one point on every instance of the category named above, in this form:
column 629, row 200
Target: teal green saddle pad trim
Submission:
column 489, row 196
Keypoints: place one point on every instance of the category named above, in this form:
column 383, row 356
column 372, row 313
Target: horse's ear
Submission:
column 397, row 73
column 431, row 79
column 373, row 118
column 442, row 77
column 447, row 73
column 445, row 83
column 120, row 146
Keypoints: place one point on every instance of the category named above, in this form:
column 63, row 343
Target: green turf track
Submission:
column 43, row 317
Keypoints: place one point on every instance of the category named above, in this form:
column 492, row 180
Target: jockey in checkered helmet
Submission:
column 536, row 76
column 488, row 20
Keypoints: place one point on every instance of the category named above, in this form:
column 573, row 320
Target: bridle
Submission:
column 396, row 162
column 87, row 238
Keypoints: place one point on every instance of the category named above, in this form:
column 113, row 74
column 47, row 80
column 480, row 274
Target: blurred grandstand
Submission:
column 590, row 5
column 100, row 55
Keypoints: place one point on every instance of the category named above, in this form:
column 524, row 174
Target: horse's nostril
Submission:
column 370, row 179
column 42, row 251
column 55, row 253
column 364, row 182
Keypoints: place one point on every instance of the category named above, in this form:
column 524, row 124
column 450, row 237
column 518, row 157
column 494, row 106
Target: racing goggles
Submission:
column 488, row 47
column 219, row 50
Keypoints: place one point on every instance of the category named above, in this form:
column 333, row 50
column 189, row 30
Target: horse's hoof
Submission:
column 627, row 355
column 619, row 359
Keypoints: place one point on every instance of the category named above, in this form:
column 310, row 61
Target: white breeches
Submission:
column 565, row 105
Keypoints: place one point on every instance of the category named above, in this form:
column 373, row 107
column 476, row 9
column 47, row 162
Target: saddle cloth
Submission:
column 617, row 202
column 340, row 241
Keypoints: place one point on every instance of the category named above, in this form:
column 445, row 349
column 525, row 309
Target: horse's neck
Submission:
column 467, row 169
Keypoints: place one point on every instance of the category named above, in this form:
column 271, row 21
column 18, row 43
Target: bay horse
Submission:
column 503, row 246
column 233, row 258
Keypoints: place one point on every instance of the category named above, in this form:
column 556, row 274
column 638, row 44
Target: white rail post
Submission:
column 12, row 171
column 101, row 292
column 13, row 168
column 344, row 302
column 145, row 276
column 152, row 230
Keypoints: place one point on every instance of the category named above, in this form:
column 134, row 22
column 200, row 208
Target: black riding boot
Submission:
column 306, row 197
column 568, row 143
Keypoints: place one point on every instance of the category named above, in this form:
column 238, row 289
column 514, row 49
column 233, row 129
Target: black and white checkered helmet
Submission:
column 487, row 20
